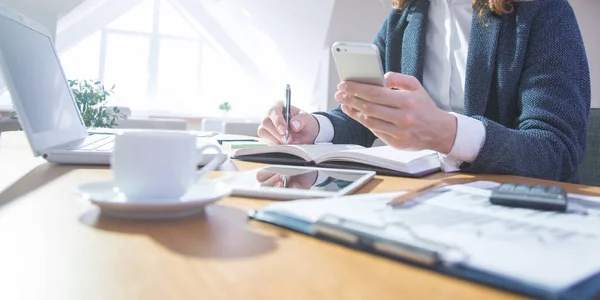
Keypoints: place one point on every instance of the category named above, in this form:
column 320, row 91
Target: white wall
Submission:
column 36, row 10
column 45, row 12
column 352, row 21
column 587, row 12
column 284, row 39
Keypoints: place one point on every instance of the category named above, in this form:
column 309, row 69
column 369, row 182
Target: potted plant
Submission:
column 225, row 107
column 90, row 96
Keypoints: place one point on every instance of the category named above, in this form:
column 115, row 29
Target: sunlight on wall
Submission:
column 284, row 39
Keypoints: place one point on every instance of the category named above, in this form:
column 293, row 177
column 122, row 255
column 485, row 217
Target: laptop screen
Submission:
column 37, row 77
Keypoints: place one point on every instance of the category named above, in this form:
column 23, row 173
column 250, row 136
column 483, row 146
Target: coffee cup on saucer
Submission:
column 159, row 165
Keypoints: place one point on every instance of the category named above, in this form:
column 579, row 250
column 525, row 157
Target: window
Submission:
column 160, row 63
column 185, row 57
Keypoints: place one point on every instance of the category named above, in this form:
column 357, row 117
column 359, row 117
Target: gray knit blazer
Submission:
column 527, row 80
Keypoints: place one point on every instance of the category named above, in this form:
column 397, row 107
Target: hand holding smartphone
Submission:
column 358, row 62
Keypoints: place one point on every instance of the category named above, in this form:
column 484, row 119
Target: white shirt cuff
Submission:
column 470, row 136
column 326, row 130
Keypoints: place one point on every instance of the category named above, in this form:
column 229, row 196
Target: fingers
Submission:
column 372, row 123
column 274, row 181
column 349, row 110
column 296, row 185
column 385, row 113
column 273, row 126
column 267, row 131
column 299, row 121
column 276, row 116
column 303, row 126
column 272, row 140
column 386, row 138
column 375, row 94
column 263, row 175
column 401, row 81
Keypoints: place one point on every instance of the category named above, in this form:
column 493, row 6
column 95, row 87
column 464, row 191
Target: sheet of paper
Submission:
column 545, row 249
column 312, row 210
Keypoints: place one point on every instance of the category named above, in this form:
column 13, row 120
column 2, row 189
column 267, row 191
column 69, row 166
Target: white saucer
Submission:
column 104, row 194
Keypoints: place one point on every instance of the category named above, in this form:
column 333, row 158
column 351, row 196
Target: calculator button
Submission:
column 538, row 189
column 560, row 196
column 555, row 190
column 522, row 188
column 507, row 187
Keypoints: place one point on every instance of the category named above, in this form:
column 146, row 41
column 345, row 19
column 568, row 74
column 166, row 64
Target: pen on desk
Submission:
column 398, row 201
column 287, row 111
column 405, row 197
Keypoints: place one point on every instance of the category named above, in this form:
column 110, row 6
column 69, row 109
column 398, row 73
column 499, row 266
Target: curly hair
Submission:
column 498, row 7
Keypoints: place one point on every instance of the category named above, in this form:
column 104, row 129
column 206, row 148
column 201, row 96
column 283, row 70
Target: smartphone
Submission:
column 358, row 62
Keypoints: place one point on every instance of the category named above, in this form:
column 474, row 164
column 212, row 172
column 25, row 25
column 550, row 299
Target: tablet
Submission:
column 297, row 182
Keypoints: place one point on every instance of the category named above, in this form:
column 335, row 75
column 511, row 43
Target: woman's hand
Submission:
column 401, row 114
column 303, row 180
column 304, row 126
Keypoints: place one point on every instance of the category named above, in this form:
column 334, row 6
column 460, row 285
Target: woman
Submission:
column 495, row 86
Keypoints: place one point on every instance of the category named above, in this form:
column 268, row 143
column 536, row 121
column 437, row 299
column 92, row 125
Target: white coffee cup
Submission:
column 158, row 165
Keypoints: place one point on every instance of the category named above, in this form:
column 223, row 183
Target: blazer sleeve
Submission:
column 549, row 138
column 347, row 130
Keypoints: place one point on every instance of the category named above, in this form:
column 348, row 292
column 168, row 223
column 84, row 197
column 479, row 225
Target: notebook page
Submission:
column 384, row 156
column 314, row 151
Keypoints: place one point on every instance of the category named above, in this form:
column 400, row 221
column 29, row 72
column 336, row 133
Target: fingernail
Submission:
column 281, row 129
column 338, row 97
column 343, row 87
column 278, row 184
column 296, row 125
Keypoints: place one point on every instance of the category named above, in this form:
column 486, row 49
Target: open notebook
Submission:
column 384, row 160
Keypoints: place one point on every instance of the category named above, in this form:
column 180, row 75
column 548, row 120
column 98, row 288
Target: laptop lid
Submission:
column 37, row 84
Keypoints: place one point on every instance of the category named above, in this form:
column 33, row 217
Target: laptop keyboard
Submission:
column 96, row 142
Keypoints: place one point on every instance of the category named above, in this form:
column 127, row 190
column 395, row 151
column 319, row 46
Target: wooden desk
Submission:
column 54, row 245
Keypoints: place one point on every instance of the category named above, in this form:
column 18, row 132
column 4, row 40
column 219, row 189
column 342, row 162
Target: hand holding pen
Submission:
column 299, row 127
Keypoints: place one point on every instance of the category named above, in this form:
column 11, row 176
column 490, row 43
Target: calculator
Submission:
column 540, row 197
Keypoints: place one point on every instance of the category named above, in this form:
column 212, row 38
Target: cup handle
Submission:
column 213, row 164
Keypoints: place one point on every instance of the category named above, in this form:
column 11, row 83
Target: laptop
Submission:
column 43, row 100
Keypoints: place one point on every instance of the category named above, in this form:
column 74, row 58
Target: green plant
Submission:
column 225, row 106
column 90, row 97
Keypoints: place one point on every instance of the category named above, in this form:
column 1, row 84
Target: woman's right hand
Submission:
column 304, row 126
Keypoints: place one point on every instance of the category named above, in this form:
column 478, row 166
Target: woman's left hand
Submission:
column 401, row 114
